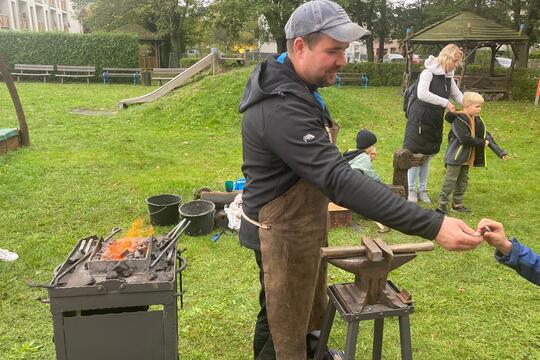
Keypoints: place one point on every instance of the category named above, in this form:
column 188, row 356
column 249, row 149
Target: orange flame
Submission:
column 120, row 248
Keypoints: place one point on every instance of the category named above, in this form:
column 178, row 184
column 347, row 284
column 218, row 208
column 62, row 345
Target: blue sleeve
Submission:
column 523, row 260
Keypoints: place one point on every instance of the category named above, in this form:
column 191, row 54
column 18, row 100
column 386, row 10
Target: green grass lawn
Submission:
column 84, row 175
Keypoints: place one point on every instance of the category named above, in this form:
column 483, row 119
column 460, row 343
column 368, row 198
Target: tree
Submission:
column 171, row 19
column 230, row 23
column 276, row 13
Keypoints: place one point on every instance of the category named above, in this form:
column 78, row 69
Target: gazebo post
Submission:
column 23, row 127
column 492, row 64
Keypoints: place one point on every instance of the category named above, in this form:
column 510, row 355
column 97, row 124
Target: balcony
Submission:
column 23, row 22
column 52, row 3
column 62, row 4
column 4, row 21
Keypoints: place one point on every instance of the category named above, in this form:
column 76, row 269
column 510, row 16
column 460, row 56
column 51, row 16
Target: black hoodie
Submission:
column 461, row 143
column 284, row 140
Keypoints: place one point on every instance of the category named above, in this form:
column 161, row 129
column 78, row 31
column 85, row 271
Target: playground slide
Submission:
column 172, row 84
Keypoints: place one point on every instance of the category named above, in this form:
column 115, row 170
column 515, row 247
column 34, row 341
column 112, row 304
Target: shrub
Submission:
column 186, row 62
column 524, row 82
column 53, row 48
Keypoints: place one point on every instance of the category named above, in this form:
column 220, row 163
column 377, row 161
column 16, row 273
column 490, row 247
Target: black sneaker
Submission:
column 335, row 355
column 460, row 208
column 442, row 209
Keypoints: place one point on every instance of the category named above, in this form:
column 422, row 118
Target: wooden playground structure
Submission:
column 11, row 139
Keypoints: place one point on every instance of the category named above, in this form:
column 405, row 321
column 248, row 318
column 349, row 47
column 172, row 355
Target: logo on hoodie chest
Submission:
column 308, row 138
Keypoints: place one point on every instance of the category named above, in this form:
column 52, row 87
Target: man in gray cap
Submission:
column 292, row 167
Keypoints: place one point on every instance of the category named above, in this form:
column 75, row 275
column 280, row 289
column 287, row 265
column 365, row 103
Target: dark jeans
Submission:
column 263, row 347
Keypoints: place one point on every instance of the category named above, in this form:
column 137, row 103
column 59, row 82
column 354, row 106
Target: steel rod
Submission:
column 346, row 251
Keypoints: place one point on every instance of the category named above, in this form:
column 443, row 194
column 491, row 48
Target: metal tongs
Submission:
column 171, row 238
column 86, row 249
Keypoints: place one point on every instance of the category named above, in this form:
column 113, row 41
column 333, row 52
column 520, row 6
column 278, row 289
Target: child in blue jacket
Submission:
column 467, row 142
column 510, row 252
column 361, row 158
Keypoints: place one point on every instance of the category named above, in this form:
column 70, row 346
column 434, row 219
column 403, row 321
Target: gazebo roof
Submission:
column 466, row 27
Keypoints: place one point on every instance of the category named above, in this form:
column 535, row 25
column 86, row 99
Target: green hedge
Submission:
column 380, row 74
column 524, row 83
column 54, row 48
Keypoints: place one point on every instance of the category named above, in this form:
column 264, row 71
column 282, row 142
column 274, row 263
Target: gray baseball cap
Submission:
column 324, row 16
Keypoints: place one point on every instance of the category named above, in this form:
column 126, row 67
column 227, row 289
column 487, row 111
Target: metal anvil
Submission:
column 371, row 263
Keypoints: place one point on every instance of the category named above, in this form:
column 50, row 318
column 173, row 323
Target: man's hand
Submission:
column 455, row 235
column 495, row 235
column 451, row 107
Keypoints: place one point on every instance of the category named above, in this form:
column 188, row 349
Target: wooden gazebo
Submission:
column 471, row 32
column 149, row 51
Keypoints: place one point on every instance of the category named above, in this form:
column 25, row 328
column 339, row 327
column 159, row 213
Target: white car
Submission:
column 503, row 62
column 392, row 58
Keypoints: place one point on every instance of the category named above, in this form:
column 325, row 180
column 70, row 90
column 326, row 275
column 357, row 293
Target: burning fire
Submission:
column 137, row 236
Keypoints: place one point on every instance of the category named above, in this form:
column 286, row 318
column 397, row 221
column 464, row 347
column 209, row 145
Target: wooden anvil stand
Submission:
column 371, row 296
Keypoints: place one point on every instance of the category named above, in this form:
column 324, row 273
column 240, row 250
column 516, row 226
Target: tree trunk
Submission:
column 281, row 43
column 382, row 30
column 369, row 25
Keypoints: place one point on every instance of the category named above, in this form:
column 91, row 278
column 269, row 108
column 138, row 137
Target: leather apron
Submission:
column 293, row 229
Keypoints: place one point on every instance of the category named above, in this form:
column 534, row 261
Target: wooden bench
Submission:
column 132, row 73
column 491, row 87
column 9, row 140
column 72, row 71
column 161, row 74
column 352, row 78
column 33, row 70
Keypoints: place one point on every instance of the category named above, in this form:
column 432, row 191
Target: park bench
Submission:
column 491, row 87
column 132, row 73
column 72, row 71
column 33, row 70
column 161, row 74
column 9, row 140
column 351, row 78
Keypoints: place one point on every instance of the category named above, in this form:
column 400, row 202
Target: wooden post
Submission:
column 492, row 63
column 23, row 127
column 403, row 160
column 246, row 57
column 215, row 61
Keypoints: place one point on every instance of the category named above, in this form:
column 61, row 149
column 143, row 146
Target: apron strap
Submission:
column 256, row 223
column 329, row 132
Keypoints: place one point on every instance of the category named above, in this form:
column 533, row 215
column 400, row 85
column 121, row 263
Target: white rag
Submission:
column 234, row 212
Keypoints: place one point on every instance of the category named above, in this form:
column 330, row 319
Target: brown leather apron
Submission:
column 293, row 228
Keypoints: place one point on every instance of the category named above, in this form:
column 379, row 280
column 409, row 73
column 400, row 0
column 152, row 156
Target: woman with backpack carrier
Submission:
column 426, row 103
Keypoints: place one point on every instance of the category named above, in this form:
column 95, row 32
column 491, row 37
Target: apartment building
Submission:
column 38, row 15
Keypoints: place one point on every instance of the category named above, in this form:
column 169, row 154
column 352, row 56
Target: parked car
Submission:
column 503, row 62
column 192, row 52
column 392, row 58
